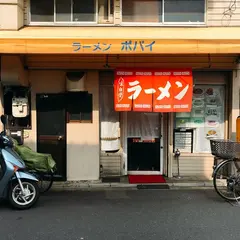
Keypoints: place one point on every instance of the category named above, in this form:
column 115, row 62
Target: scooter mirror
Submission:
column 3, row 119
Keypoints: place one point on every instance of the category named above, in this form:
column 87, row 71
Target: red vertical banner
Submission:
column 174, row 88
column 132, row 90
column 183, row 90
column 162, row 99
column 121, row 100
column 141, row 91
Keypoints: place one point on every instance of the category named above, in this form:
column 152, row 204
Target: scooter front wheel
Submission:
column 20, row 200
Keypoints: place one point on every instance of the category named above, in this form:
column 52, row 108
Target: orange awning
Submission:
column 121, row 40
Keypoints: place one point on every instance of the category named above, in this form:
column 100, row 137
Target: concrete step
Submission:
column 98, row 185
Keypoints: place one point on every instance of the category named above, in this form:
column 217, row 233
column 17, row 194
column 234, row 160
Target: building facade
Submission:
column 60, row 59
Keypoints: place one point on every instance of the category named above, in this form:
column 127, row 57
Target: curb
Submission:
column 191, row 184
column 98, row 186
column 92, row 186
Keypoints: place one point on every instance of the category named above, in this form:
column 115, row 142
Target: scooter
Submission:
column 17, row 185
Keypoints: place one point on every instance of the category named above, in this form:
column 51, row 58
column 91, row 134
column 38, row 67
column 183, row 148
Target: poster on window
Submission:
column 153, row 90
column 206, row 116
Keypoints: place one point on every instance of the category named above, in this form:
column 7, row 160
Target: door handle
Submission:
column 60, row 138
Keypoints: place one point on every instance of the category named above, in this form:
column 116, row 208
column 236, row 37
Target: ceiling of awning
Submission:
column 195, row 61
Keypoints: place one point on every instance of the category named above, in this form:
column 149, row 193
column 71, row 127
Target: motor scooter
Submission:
column 17, row 185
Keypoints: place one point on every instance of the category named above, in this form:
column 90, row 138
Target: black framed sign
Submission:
column 183, row 140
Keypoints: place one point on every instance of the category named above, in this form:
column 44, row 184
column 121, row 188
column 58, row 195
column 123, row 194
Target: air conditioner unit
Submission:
column 75, row 81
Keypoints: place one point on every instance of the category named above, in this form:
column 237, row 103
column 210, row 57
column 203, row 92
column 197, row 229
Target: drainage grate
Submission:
column 111, row 179
column 152, row 186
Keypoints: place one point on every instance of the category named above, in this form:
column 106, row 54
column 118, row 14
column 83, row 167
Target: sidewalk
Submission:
column 171, row 183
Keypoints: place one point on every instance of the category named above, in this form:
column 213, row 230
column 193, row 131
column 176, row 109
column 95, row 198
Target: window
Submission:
column 71, row 11
column 206, row 118
column 79, row 107
column 105, row 11
column 84, row 11
column 42, row 11
column 184, row 10
column 163, row 11
column 63, row 11
column 142, row 11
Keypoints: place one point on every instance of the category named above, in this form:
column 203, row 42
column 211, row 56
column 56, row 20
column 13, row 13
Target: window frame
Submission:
column 96, row 23
column 163, row 23
column 224, row 84
column 80, row 113
column 79, row 120
column 63, row 23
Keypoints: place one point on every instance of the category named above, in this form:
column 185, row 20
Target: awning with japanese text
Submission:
column 153, row 90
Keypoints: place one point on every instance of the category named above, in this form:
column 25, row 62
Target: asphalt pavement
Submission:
column 124, row 215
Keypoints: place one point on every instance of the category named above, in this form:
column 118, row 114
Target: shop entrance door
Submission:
column 51, row 129
column 144, row 141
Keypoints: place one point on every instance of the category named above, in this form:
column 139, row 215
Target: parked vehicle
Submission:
column 17, row 185
column 226, row 174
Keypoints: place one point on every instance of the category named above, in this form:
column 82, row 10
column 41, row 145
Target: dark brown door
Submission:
column 51, row 129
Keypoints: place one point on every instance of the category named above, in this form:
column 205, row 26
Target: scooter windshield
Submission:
column 11, row 156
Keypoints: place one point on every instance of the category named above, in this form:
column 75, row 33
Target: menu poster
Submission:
column 206, row 117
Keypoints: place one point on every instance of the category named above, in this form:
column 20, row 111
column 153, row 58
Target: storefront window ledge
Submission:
column 111, row 153
column 196, row 155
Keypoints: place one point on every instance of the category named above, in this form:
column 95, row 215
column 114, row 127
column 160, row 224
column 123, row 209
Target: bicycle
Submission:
column 226, row 174
column 44, row 177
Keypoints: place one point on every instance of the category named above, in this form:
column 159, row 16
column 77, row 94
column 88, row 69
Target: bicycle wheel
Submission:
column 226, row 179
column 45, row 181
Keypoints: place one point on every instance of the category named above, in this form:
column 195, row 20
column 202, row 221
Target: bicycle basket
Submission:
column 225, row 149
column 213, row 145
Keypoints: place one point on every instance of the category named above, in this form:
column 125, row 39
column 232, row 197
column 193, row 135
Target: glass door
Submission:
column 142, row 145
